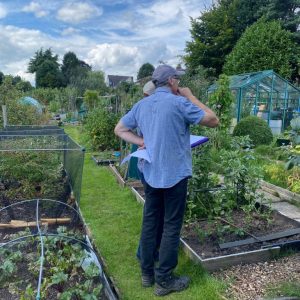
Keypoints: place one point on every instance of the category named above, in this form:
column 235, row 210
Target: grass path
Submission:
column 114, row 217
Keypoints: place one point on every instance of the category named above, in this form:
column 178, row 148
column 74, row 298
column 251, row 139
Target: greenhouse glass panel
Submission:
column 266, row 95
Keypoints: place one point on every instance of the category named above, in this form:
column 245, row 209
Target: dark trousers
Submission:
column 159, row 228
column 172, row 201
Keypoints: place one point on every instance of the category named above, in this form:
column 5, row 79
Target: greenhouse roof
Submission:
column 33, row 102
column 261, row 77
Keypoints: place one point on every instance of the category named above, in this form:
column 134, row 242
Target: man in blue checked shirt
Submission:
column 164, row 119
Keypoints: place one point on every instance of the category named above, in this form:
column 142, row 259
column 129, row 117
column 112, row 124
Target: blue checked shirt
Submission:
column 164, row 120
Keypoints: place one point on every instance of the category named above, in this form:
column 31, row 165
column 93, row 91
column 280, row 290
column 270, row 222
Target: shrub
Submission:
column 100, row 125
column 276, row 174
column 257, row 129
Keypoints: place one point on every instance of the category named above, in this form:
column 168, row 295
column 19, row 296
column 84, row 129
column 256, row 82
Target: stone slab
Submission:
column 287, row 209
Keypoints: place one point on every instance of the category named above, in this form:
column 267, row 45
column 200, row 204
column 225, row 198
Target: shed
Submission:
column 264, row 94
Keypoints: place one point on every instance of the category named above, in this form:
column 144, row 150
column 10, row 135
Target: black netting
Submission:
column 40, row 166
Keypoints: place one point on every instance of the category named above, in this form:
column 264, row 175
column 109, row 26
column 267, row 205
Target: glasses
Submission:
column 177, row 78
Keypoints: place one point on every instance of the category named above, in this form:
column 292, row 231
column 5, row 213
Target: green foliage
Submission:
column 216, row 31
column 198, row 81
column 207, row 198
column 70, row 271
column 294, row 181
column 294, row 159
column 288, row 289
column 17, row 113
column 39, row 58
column 276, row 174
column 285, row 11
column 90, row 80
column 46, row 68
column 221, row 102
column 1, row 77
column 48, row 75
column 100, row 124
column 8, row 92
column 145, row 71
column 257, row 129
column 91, row 99
column 263, row 46
column 72, row 67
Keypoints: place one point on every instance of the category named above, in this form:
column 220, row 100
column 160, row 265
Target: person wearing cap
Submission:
column 148, row 88
column 164, row 119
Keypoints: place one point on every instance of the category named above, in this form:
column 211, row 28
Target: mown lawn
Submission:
column 114, row 217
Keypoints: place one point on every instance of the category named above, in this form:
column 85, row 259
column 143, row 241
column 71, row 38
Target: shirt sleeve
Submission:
column 191, row 113
column 129, row 120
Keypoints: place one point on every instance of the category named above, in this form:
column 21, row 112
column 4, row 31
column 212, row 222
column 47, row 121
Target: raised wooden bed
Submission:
column 280, row 192
column 103, row 162
column 219, row 262
column 118, row 176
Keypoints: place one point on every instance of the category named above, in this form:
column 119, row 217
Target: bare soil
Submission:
column 204, row 238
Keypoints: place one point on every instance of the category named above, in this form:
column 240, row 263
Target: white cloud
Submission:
column 119, row 59
column 75, row 13
column 70, row 31
column 106, row 56
column 35, row 8
column 117, row 44
column 3, row 11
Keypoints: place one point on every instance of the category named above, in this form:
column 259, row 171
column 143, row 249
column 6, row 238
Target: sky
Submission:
column 114, row 36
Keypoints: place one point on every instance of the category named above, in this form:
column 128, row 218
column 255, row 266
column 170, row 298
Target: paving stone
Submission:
column 287, row 209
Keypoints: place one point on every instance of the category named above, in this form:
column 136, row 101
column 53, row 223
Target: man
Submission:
column 164, row 119
column 148, row 88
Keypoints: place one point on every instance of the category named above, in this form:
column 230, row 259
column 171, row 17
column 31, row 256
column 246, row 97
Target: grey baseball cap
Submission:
column 163, row 72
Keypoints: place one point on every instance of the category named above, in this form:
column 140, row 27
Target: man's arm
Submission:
column 127, row 135
column 210, row 119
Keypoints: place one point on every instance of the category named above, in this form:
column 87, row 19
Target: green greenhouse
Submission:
column 266, row 95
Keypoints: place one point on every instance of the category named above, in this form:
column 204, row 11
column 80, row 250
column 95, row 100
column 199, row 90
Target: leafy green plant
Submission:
column 69, row 269
column 294, row 159
column 221, row 102
column 276, row 174
column 294, row 181
column 257, row 129
column 240, row 177
column 100, row 125
column 263, row 46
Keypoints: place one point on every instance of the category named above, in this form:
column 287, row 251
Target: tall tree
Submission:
column 1, row 77
column 48, row 75
column 216, row 31
column 46, row 68
column 287, row 11
column 264, row 45
column 72, row 67
column 145, row 71
column 69, row 64
column 90, row 80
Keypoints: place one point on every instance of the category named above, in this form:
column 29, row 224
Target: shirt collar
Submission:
column 163, row 89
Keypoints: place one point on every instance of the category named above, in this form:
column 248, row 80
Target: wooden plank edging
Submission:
column 118, row 176
column 283, row 194
column 221, row 262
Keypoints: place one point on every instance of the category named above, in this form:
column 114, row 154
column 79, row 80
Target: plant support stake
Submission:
column 4, row 113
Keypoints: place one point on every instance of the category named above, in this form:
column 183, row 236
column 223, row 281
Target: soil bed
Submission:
column 68, row 265
column 203, row 238
column 207, row 245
